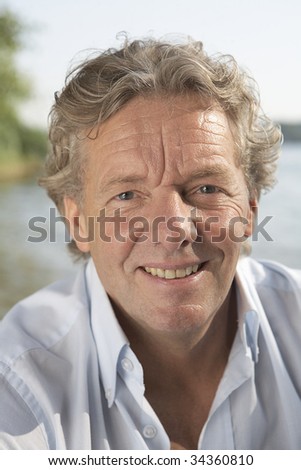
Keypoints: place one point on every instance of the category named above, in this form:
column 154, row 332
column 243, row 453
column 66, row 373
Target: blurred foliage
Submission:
column 18, row 142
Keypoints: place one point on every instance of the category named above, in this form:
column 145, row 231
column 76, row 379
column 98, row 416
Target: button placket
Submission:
column 127, row 364
column 149, row 431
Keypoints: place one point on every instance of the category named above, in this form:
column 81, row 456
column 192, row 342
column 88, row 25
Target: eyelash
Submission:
column 120, row 198
column 213, row 190
column 211, row 186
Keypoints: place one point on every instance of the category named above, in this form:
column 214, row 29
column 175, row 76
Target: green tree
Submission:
column 17, row 141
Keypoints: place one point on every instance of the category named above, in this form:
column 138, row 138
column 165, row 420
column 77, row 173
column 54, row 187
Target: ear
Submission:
column 77, row 225
column 252, row 216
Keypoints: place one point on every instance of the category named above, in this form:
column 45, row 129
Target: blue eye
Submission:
column 208, row 189
column 126, row 196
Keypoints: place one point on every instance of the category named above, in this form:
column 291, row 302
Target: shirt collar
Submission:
column 244, row 351
column 108, row 334
column 110, row 339
column 248, row 317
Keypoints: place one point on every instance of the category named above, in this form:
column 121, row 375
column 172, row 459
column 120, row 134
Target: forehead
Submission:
column 157, row 133
column 170, row 115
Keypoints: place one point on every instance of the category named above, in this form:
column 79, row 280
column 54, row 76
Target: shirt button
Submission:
column 149, row 431
column 108, row 394
column 127, row 364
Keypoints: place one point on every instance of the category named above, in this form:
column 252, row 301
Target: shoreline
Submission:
column 16, row 171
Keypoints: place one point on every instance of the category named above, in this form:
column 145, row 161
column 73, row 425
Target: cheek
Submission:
column 225, row 226
column 125, row 231
column 110, row 249
column 108, row 263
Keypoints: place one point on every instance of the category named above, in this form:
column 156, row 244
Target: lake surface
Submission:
column 283, row 204
column 26, row 266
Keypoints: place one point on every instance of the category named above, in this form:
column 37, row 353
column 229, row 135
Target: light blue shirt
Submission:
column 69, row 379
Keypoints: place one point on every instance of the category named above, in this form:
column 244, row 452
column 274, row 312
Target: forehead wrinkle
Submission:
column 129, row 142
column 126, row 136
column 195, row 153
column 190, row 134
column 204, row 132
column 140, row 125
column 200, row 139
column 214, row 169
column 116, row 176
column 192, row 145
column 116, row 180
column 123, row 156
column 208, row 121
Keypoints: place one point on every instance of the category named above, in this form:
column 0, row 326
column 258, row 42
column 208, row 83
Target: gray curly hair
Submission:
column 101, row 85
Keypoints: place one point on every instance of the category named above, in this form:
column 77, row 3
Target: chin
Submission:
column 179, row 320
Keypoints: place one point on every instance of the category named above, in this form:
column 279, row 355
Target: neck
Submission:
column 182, row 372
column 179, row 353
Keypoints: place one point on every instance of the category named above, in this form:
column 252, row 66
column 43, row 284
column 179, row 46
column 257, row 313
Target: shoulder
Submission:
column 41, row 320
column 23, row 424
column 273, row 276
column 38, row 338
column 275, row 291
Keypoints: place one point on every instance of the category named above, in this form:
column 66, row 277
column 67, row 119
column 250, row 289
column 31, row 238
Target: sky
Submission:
column 263, row 35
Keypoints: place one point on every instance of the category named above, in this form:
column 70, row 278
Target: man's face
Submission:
column 167, row 165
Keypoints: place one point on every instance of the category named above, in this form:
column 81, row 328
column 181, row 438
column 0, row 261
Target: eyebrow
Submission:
column 209, row 171
column 213, row 170
column 117, row 180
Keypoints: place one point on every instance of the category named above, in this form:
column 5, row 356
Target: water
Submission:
column 25, row 267
column 283, row 203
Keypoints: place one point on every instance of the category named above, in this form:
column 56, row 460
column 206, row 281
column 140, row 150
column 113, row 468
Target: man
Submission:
column 168, row 337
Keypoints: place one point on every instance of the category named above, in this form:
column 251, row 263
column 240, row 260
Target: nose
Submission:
column 171, row 223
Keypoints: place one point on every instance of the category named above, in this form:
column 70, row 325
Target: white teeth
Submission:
column 189, row 270
column 160, row 272
column 172, row 273
column 182, row 272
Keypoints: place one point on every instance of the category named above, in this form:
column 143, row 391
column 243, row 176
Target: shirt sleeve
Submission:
column 19, row 427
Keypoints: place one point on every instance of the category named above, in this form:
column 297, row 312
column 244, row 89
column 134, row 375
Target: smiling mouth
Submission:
column 173, row 273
